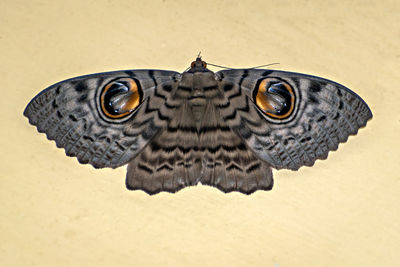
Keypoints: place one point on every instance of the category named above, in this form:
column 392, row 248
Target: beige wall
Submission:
column 344, row 211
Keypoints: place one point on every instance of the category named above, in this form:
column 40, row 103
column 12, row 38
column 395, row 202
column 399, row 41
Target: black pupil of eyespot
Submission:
column 283, row 99
column 115, row 88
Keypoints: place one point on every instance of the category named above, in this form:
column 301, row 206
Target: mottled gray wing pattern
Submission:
column 325, row 114
column 68, row 112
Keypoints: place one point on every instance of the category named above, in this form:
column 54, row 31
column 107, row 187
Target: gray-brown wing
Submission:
column 96, row 120
column 290, row 119
column 228, row 163
column 171, row 161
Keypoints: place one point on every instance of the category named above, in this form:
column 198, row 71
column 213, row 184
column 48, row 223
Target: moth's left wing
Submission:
column 171, row 161
column 103, row 119
column 290, row 119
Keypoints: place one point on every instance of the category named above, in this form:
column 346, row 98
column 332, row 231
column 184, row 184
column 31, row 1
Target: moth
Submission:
column 226, row 129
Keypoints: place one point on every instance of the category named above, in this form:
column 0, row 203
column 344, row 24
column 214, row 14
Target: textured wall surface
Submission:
column 344, row 211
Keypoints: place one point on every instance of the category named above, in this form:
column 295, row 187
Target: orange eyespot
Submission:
column 120, row 98
column 275, row 98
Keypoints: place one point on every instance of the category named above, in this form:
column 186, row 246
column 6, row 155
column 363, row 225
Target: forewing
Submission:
column 70, row 113
column 324, row 114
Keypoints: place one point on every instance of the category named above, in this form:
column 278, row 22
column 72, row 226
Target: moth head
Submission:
column 120, row 97
column 198, row 66
column 275, row 98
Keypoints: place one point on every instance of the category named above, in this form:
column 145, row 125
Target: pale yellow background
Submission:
column 344, row 211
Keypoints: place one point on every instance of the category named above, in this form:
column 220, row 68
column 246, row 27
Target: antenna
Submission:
column 222, row 67
column 265, row 65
